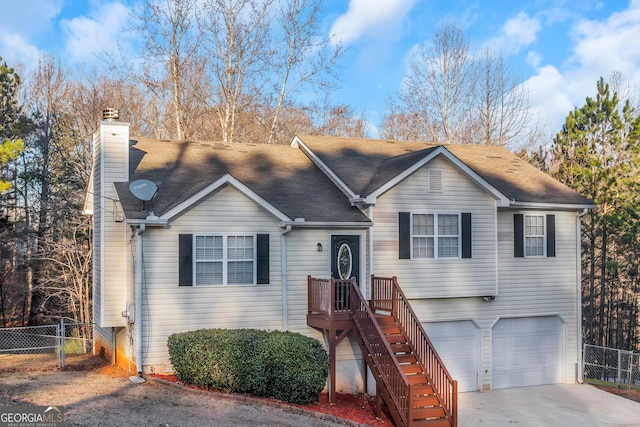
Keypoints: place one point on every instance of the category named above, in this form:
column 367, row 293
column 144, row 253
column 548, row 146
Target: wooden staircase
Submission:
column 410, row 377
column 425, row 409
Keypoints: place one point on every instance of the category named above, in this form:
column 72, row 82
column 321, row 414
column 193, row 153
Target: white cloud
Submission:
column 549, row 101
column 518, row 32
column 367, row 17
column 98, row 32
column 600, row 48
column 20, row 23
column 16, row 50
column 609, row 45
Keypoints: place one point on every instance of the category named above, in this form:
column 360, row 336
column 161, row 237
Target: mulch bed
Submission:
column 622, row 391
column 357, row 408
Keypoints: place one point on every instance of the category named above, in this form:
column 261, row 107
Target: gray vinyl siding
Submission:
column 437, row 278
column 304, row 259
column 169, row 308
column 528, row 287
column 113, row 154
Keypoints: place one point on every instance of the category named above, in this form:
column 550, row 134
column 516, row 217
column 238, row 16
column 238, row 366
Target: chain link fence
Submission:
column 611, row 365
column 44, row 347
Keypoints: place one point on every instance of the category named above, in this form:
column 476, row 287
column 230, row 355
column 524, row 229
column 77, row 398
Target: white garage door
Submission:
column 458, row 344
column 527, row 351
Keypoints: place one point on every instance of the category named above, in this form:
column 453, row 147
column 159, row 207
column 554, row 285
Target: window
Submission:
column 534, row 235
column 224, row 260
column 435, row 235
column 210, row 260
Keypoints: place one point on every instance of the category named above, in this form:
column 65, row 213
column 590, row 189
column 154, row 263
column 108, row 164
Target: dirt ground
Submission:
column 94, row 393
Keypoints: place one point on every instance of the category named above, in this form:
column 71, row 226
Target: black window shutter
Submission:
column 551, row 235
column 466, row 235
column 518, row 235
column 185, row 263
column 262, row 246
column 404, row 235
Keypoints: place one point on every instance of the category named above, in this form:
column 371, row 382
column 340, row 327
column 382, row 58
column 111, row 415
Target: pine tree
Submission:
column 597, row 153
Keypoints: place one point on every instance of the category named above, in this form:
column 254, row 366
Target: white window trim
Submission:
column 225, row 258
column 435, row 235
column 544, row 234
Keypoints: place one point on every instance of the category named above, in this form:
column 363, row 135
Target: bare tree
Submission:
column 306, row 54
column 501, row 113
column 439, row 84
column 238, row 54
column 170, row 59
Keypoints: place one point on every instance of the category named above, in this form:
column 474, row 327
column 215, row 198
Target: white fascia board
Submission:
column 225, row 180
column 326, row 224
column 149, row 222
column 298, row 143
column 502, row 200
column 550, row 206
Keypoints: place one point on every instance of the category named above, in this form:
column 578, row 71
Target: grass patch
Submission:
column 601, row 383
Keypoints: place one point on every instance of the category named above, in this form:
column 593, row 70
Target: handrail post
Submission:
column 373, row 292
column 332, row 297
column 309, row 296
column 394, row 313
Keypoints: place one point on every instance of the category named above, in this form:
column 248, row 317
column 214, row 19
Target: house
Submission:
column 485, row 247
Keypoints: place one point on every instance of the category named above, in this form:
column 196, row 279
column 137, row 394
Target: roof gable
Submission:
column 370, row 167
column 280, row 178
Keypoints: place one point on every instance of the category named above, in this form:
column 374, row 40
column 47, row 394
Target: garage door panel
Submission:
column 457, row 344
column 527, row 351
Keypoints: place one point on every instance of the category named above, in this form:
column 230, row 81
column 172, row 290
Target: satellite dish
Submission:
column 143, row 189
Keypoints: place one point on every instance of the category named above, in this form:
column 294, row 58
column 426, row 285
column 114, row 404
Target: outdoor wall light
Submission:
column 319, row 247
column 489, row 298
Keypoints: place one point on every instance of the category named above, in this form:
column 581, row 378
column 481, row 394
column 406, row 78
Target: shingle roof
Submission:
column 366, row 164
column 288, row 180
column 281, row 175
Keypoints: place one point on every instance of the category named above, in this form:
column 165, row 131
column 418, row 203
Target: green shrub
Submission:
column 283, row 365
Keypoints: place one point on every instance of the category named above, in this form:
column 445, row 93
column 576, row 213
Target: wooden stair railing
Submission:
column 387, row 296
column 382, row 360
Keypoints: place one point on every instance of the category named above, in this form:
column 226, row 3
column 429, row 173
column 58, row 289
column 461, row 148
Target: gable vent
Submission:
column 435, row 180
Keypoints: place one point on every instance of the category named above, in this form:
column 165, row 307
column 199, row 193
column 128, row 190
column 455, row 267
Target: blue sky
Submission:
column 559, row 47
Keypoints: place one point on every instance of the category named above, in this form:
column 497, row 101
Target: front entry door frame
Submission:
column 355, row 243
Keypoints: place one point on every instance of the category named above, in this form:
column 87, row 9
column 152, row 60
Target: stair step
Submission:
column 411, row 369
column 436, row 422
column 391, row 329
column 406, row 358
column 396, row 338
column 423, row 389
column 400, row 348
column 424, row 401
column 430, row 412
column 385, row 320
column 418, row 380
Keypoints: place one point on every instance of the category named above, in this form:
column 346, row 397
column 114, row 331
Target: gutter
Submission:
column 285, row 285
column 301, row 223
column 550, row 206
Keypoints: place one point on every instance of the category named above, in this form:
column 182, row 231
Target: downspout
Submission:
column 367, row 292
column 579, row 288
column 285, row 286
column 138, row 296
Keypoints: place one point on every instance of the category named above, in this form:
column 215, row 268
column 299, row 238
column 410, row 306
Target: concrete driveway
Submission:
column 572, row 405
